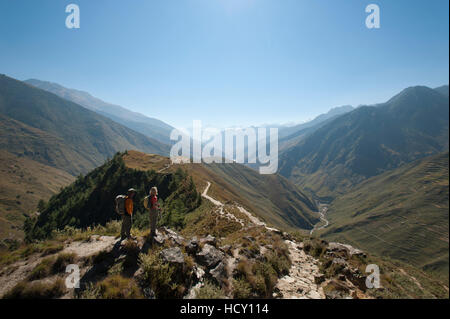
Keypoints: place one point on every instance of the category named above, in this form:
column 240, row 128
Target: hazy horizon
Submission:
column 229, row 62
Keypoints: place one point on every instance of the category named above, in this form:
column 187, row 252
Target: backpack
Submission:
column 120, row 204
column 147, row 202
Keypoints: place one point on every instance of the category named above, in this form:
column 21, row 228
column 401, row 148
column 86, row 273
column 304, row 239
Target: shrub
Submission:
column 265, row 279
column 210, row 291
column 36, row 290
column 157, row 275
column 280, row 264
column 42, row 270
column 52, row 249
column 62, row 261
column 113, row 287
column 241, row 289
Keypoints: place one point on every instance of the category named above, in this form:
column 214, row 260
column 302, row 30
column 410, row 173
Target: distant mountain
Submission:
column 150, row 127
column 402, row 214
column 368, row 141
column 53, row 131
column 443, row 90
column 336, row 111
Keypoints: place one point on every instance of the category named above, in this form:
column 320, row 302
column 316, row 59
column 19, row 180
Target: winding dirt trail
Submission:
column 300, row 282
column 323, row 210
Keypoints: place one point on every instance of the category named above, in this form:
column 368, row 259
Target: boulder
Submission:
column 159, row 238
column 198, row 272
column 211, row 240
column 339, row 261
column 350, row 250
column 192, row 246
column 337, row 290
column 172, row 255
column 226, row 249
column 210, row 256
column 173, row 236
column 219, row 273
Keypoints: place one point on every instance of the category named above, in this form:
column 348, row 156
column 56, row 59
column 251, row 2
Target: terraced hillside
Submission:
column 402, row 213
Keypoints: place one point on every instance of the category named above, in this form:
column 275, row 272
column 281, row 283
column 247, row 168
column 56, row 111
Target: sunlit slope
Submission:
column 402, row 214
column 369, row 141
column 75, row 138
column 271, row 197
column 23, row 183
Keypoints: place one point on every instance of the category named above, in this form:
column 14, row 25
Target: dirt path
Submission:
column 221, row 207
column 323, row 210
column 299, row 284
column 21, row 269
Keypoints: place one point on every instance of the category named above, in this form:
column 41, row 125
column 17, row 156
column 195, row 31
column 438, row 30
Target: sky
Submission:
column 228, row 62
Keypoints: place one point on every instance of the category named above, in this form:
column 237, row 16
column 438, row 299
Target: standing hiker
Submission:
column 151, row 203
column 124, row 207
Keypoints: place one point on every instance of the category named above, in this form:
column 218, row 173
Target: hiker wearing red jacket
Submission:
column 153, row 207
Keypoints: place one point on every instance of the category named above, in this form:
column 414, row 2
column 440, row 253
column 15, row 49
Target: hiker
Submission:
column 151, row 203
column 124, row 206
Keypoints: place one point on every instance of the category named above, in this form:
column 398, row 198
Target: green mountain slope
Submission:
column 150, row 127
column 402, row 214
column 336, row 111
column 272, row 198
column 23, row 183
column 74, row 138
column 89, row 200
column 368, row 141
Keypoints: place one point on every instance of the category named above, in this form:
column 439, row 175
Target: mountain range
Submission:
column 368, row 141
column 150, row 127
column 53, row 131
column 402, row 213
column 382, row 171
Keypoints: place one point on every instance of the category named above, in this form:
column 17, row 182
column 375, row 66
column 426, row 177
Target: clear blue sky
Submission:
column 228, row 62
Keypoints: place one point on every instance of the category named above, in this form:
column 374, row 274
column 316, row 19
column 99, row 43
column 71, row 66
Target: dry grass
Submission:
column 37, row 290
column 113, row 287
column 23, row 183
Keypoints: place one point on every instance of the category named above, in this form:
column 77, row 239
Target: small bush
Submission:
column 210, row 291
column 279, row 264
column 36, row 290
column 113, row 287
column 157, row 275
column 52, row 249
column 241, row 289
column 62, row 261
column 42, row 270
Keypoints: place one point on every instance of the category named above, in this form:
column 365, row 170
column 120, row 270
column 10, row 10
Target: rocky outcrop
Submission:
column 210, row 240
column 350, row 250
column 192, row 246
column 209, row 256
column 172, row 256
